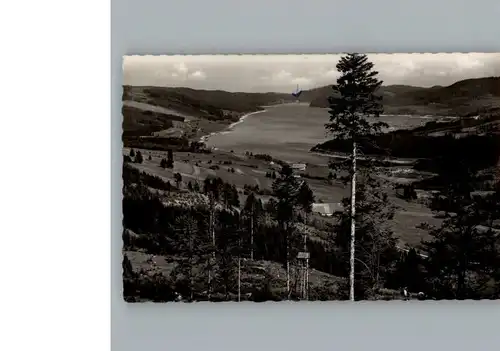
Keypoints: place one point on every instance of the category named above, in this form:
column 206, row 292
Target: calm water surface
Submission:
column 289, row 131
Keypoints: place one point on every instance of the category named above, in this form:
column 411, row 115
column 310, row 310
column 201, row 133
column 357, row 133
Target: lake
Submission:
column 289, row 131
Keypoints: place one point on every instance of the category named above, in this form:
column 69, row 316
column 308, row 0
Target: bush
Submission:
column 263, row 157
column 156, row 288
column 138, row 157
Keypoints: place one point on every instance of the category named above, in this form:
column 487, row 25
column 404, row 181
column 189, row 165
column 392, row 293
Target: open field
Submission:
column 195, row 167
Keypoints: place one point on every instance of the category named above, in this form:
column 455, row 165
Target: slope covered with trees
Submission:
column 468, row 97
column 209, row 104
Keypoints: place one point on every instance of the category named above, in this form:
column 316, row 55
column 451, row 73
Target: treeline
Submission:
column 480, row 151
column 155, row 143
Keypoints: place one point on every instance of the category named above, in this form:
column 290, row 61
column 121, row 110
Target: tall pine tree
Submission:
column 353, row 100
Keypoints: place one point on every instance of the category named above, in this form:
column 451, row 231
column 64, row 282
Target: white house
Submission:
column 327, row 209
column 299, row 167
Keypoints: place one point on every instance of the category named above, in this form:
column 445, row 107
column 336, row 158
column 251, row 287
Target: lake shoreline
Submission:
column 227, row 129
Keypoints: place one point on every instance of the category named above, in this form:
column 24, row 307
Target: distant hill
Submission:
column 209, row 104
column 468, row 97
column 319, row 96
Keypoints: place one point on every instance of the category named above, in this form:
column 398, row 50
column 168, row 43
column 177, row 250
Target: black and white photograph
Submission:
column 279, row 178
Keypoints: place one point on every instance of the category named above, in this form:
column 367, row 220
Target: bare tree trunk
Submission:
column 305, row 265
column 287, row 263
column 296, row 277
column 239, row 278
column 209, row 263
column 353, row 220
column 212, row 233
column 213, row 240
column 191, row 280
column 287, row 278
column 239, row 269
column 251, row 232
column 307, row 278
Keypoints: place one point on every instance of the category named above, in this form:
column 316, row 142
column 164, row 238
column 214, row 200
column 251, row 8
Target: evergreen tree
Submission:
column 128, row 271
column 409, row 272
column 213, row 188
column 462, row 252
column 286, row 189
column 163, row 163
column 305, row 199
column 354, row 100
column 170, row 159
column 227, row 194
column 188, row 275
column 178, row 179
column 252, row 211
column 235, row 199
column 132, row 153
column 375, row 244
column 138, row 157
column 228, row 247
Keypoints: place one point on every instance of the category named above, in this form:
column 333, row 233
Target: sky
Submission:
column 282, row 73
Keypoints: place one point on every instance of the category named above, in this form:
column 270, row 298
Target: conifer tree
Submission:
column 377, row 254
column 193, row 248
column 305, row 199
column 463, row 250
column 252, row 210
column 228, row 251
column 138, row 157
column 353, row 100
column 170, row 159
column 286, row 189
column 178, row 179
column 212, row 187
